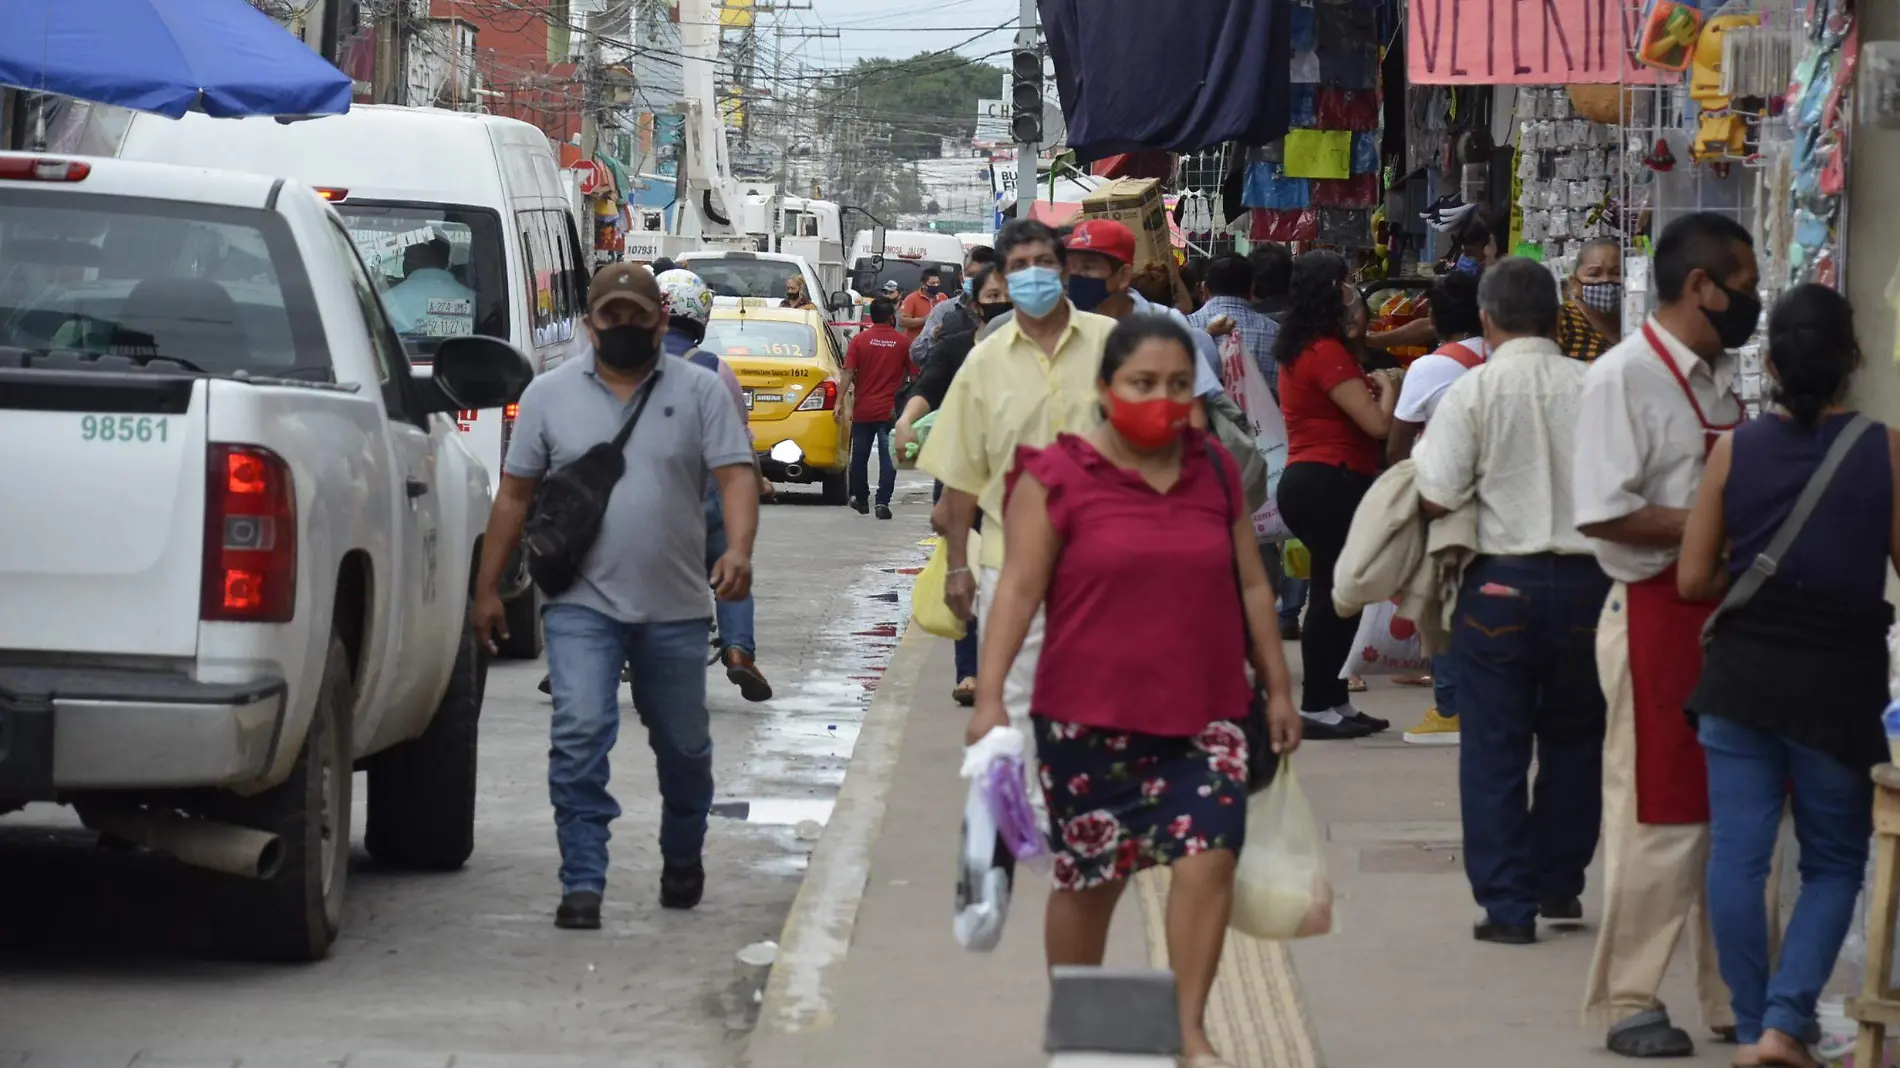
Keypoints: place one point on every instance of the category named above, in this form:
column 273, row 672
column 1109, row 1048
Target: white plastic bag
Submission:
column 1240, row 373
column 1281, row 889
column 986, row 871
column 1385, row 645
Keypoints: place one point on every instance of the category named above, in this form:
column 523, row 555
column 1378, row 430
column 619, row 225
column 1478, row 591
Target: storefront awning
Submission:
column 1133, row 76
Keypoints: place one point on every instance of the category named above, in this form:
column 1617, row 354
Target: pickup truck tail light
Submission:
column 250, row 551
column 822, row 398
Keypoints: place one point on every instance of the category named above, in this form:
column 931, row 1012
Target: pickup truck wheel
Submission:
column 837, row 489
column 422, row 792
column 295, row 915
column 524, row 626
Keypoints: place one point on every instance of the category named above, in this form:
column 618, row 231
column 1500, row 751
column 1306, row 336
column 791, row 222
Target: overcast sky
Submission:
column 902, row 28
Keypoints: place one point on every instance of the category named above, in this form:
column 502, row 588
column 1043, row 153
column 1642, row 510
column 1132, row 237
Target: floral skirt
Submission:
column 1123, row 801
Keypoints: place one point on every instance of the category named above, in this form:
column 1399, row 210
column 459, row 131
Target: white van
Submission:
column 462, row 218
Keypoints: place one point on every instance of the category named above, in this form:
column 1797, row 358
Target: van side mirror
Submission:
column 473, row 371
column 877, row 243
column 840, row 302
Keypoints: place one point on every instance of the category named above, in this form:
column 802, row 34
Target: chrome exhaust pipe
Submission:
column 220, row 847
column 794, row 470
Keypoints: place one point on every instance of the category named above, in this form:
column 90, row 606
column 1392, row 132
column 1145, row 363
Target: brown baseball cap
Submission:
column 624, row 281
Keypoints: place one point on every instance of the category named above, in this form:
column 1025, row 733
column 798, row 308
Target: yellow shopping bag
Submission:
column 926, row 596
column 1295, row 561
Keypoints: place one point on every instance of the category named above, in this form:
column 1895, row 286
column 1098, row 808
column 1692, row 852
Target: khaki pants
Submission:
column 1019, row 684
column 1654, row 875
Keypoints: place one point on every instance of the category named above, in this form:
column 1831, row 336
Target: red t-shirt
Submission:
column 1144, row 629
column 1317, row 430
column 918, row 306
column 880, row 358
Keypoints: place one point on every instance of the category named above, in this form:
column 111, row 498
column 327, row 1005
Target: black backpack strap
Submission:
column 626, row 429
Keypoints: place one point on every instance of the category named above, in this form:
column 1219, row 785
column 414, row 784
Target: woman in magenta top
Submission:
column 1136, row 539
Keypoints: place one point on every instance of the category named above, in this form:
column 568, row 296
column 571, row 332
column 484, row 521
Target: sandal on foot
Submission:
column 1647, row 1035
column 965, row 693
column 1355, row 685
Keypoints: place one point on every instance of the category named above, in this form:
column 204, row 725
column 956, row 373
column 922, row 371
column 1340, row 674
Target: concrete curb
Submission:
column 818, row 930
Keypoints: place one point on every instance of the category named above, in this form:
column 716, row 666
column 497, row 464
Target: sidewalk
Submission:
column 869, row 974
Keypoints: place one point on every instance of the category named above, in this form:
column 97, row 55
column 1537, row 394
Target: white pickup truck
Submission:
column 238, row 537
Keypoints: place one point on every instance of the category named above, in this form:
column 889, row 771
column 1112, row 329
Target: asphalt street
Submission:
column 105, row 959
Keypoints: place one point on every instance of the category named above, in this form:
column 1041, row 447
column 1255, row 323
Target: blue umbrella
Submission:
column 221, row 57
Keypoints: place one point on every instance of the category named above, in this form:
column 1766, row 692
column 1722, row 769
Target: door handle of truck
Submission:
column 417, row 488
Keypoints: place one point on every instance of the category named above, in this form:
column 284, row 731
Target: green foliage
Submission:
column 916, row 101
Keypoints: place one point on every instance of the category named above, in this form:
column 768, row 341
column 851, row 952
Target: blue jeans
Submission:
column 863, row 437
column 1292, row 599
column 1525, row 641
column 1749, row 775
column 735, row 618
column 1445, row 683
column 586, row 651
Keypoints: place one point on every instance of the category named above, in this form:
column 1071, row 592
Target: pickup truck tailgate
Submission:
column 102, row 480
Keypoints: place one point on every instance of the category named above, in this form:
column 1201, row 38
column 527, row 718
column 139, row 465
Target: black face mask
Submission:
column 626, row 348
column 993, row 308
column 1735, row 324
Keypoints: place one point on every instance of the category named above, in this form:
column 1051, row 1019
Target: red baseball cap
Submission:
column 1104, row 236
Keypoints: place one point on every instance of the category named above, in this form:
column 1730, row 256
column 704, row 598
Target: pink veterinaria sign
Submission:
column 1523, row 42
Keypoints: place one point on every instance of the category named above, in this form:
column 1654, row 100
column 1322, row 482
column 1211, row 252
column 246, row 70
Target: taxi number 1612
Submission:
column 124, row 428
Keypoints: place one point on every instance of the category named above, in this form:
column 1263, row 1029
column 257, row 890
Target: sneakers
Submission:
column 860, row 506
column 682, row 885
column 1434, row 729
column 743, row 673
column 883, row 511
column 579, row 911
column 1561, row 909
column 1505, row 934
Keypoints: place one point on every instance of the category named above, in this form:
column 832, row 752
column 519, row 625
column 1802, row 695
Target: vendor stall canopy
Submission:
column 222, row 57
column 1137, row 74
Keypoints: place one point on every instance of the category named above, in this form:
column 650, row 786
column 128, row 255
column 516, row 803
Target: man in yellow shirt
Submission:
column 1032, row 379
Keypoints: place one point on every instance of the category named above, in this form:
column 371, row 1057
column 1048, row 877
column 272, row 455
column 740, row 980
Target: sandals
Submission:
column 1412, row 680
column 965, row 693
column 1355, row 685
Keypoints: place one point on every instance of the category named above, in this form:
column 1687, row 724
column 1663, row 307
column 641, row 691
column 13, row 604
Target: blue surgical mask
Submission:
column 969, row 287
column 1087, row 293
column 1467, row 265
column 1035, row 290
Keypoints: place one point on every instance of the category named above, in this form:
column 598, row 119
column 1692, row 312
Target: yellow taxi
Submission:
column 791, row 366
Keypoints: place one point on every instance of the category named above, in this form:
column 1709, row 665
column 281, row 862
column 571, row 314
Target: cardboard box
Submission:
column 1135, row 203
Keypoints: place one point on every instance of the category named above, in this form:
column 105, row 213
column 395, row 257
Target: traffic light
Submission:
column 1025, row 122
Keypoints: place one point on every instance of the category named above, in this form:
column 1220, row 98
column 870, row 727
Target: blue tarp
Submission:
column 1182, row 75
column 222, row 57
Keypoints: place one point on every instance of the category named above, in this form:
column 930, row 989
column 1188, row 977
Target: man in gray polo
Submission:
column 641, row 599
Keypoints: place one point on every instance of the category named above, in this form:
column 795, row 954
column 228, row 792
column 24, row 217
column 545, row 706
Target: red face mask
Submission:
column 1149, row 424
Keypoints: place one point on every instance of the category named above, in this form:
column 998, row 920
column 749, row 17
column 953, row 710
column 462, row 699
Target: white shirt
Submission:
column 1427, row 379
column 1641, row 442
column 1502, row 433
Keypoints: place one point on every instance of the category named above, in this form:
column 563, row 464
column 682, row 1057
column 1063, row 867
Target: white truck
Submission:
column 240, row 537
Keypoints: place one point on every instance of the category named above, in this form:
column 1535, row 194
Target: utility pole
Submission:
column 1026, row 149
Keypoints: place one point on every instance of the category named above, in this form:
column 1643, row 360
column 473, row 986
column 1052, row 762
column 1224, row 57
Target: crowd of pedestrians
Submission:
column 1586, row 497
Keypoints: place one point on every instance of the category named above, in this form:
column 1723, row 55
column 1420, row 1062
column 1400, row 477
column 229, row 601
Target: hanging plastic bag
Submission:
column 927, row 606
column 1385, row 645
column 1240, row 373
column 1296, row 561
column 997, row 827
column 1281, row 889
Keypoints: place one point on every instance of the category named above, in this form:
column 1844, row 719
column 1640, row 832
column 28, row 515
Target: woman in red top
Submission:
column 1336, row 417
column 1153, row 584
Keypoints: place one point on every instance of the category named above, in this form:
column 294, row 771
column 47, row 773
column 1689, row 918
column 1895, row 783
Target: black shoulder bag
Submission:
column 570, row 502
column 1261, row 761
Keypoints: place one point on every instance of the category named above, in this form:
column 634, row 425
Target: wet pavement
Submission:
column 107, row 956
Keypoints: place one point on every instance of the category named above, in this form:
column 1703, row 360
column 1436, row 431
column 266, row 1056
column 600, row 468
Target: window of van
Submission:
column 217, row 289
column 908, row 274
column 441, row 266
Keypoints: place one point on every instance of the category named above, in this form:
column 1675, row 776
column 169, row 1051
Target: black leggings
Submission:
column 1317, row 501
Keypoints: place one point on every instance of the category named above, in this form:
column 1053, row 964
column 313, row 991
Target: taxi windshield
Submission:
column 440, row 267
column 728, row 277
column 760, row 337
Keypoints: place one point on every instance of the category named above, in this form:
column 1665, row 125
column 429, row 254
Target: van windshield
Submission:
column 441, row 265
column 728, row 277
column 109, row 282
column 906, row 273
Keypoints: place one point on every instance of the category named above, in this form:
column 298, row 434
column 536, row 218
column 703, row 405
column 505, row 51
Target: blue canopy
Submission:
column 1135, row 74
column 221, row 57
